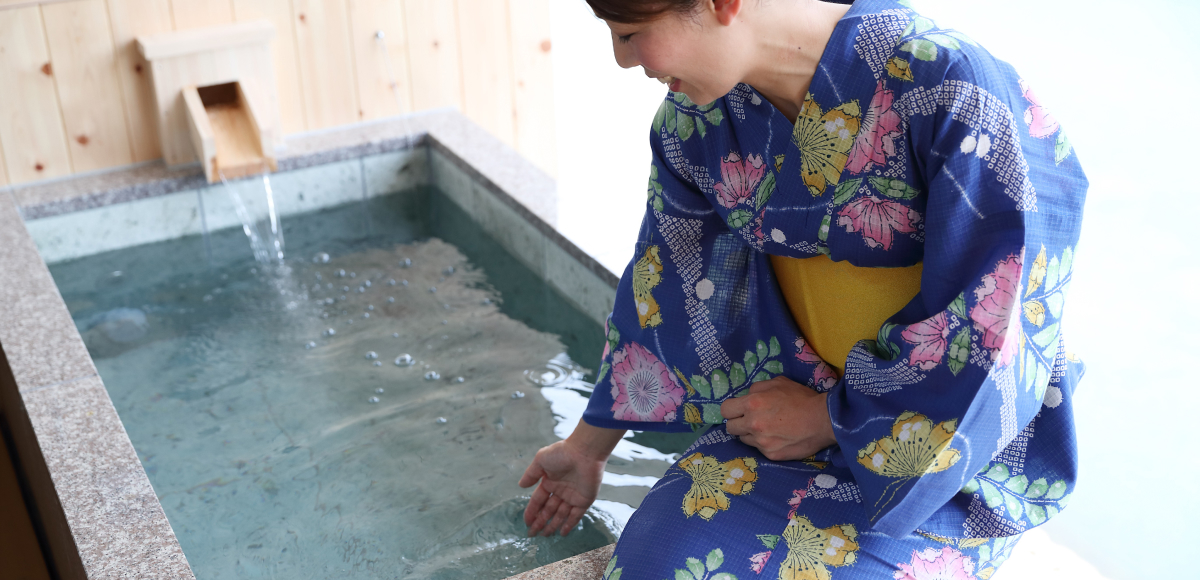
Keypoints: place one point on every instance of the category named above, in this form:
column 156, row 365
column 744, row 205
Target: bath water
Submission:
column 363, row 410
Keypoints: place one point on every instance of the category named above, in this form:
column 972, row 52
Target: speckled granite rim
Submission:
column 95, row 511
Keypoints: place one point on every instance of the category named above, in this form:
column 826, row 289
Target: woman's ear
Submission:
column 726, row 10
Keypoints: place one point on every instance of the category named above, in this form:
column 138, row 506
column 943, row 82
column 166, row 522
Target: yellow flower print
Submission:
column 812, row 550
column 712, row 480
column 824, row 140
column 915, row 448
column 647, row 273
column 898, row 68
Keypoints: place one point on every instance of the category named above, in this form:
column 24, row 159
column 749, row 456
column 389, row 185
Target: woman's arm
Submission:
column 570, row 472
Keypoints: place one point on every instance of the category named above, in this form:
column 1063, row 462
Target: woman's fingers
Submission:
column 560, row 516
column 536, row 502
column 572, row 519
column 739, row 426
column 532, row 474
column 545, row 514
column 733, row 408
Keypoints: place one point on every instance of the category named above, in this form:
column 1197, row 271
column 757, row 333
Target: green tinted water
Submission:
column 281, row 435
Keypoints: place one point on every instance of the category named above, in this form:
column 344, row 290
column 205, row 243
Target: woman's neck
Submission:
column 790, row 38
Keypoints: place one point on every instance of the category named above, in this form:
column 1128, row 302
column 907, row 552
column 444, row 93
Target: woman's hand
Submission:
column 782, row 418
column 570, row 472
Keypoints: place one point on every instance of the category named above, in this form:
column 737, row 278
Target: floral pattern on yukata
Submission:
column 913, row 145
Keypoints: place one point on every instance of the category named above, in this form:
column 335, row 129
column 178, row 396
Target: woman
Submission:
column 859, row 233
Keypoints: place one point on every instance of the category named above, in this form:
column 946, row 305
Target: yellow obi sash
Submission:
column 836, row 304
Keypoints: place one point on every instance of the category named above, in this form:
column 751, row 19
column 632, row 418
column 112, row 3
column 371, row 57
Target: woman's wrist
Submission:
column 594, row 442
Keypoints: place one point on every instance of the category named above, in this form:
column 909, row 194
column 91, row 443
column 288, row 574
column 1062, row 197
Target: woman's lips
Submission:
column 671, row 82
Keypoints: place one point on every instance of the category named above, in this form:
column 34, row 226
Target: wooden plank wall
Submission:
column 75, row 95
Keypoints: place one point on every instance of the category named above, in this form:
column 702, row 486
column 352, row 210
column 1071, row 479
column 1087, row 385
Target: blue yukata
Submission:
column 955, row 434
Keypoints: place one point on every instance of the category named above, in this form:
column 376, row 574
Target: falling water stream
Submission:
column 266, row 239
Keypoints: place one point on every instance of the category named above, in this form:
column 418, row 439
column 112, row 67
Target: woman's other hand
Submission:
column 570, row 472
column 781, row 418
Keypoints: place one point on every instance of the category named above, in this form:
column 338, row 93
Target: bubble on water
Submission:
column 459, row 380
column 377, row 363
column 371, row 355
column 391, row 299
column 316, row 287
column 373, row 400
column 330, row 332
column 329, row 300
column 342, row 297
column 405, row 360
column 253, row 270
column 379, row 390
column 371, row 307
column 318, row 276
column 291, row 305
column 349, row 322
column 324, row 315
column 444, row 323
column 446, row 307
column 329, row 285
column 395, row 335
column 353, row 275
column 321, row 258
column 345, row 288
column 366, row 315
column 367, row 283
column 486, row 301
column 448, row 271
column 404, row 282
column 391, row 281
column 208, row 297
column 432, row 289
column 432, row 376
column 441, row 420
column 518, row 395
column 405, row 263
column 341, row 273
column 361, row 289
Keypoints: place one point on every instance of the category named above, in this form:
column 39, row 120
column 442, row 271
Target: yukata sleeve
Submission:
column 963, row 368
column 639, row 383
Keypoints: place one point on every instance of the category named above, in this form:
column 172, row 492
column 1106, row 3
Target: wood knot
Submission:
column 82, row 139
column 137, row 68
column 302, row 19
column 545, row 45
column 39, row 166
column 47, row 70
column 435, row 44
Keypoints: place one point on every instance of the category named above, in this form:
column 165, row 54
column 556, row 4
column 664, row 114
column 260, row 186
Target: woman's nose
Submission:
column 624, row 53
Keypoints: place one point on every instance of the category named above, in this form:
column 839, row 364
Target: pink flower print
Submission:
column 948, row 564
column 759, row 561
column 931, row 336
column 739, row 178
column 798, row 496
column 877, row 219
column 1041, row 123
column 824, row 377
column 994, row 316
column 876, row 139
column 642, row 386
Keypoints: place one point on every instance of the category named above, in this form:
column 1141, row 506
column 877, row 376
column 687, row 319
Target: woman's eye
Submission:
column 625, row 38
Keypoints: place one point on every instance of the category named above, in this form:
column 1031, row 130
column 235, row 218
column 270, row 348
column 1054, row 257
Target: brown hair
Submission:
column 637, row 11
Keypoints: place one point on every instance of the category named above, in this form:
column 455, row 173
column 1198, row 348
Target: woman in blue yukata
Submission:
column 858, row 238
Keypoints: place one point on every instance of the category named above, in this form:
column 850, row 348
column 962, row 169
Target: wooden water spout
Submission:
column 215, row 90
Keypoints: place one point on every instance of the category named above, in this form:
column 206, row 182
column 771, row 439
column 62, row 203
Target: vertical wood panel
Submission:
column 487, row 65
column 131, row 19
column 30, row 124
column 376, row 95
column 200, row 13
column 533, row 82
column 433, row 56
column 85, row 73
column 283, row 52
column 326, row 62
column 3, row 172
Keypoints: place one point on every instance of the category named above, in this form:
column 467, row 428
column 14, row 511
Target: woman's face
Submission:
column 701, row 56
